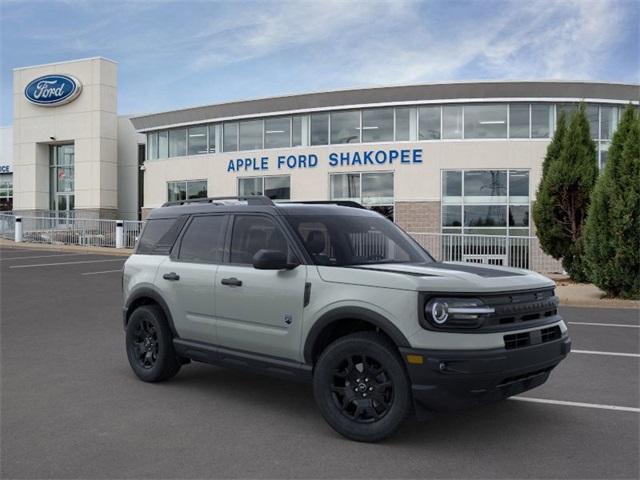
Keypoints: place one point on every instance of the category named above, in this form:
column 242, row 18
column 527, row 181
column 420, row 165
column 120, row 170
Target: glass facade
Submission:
column 62, row 179
column 429, row 123
column 345, row 127
column 377, row 125
column 374, row 190
column 486, row 202
column 276, row 187
column 186, row 190
column 485, row 121
column 383, row 124
column 6, row 192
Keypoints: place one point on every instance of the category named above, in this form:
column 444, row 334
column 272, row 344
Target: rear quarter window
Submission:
column 159, row 235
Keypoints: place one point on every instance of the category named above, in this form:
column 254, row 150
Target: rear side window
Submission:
column 203, row 241
column 159, row 235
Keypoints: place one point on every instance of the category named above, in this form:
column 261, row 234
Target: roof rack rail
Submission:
column 341, row 203
column 250, row 199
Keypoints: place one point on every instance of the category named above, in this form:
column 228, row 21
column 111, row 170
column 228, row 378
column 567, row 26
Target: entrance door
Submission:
column 62, row 181
column 259, row 310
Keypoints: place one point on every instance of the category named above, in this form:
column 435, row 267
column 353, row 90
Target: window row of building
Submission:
column 6, row 192
column 473, row 201
column 372, row 125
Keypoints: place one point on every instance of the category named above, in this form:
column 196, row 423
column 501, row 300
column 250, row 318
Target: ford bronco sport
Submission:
column 340, row 296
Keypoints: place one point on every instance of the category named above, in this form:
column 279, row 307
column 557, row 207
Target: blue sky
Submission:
column 185, row 53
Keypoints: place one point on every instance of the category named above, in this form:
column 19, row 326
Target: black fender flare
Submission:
column 351, row 313
column 147, row 292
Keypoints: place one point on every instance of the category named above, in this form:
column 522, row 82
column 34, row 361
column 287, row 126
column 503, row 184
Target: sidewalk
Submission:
column 67, row 248
column 587, row 295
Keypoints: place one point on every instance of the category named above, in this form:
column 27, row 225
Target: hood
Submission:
column 450, row 277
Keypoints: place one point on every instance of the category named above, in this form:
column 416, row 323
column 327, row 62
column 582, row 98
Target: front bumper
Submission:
column 448, row 380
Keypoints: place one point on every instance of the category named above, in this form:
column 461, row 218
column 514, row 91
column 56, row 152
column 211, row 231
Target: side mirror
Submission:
column 272, row 260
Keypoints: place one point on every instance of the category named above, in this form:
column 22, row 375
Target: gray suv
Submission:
column 339, row 296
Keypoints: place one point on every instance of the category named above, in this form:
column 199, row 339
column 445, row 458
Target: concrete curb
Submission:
column 125, row 252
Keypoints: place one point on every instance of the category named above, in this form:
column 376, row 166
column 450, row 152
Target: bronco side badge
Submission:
column 288, row 318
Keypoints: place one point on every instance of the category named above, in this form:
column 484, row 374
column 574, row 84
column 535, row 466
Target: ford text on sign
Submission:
column 53, row 90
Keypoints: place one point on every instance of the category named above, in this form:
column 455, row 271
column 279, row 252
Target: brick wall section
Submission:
column 418, row 216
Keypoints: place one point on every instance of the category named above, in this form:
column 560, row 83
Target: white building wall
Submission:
column 90, row 122
column 412, row 182
column 128, row 169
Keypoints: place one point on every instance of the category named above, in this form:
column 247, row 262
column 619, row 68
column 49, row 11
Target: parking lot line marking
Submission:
column 42, row 256
column 604, row 324
column 615, row 354
column 104, row 271
column 577, row 404
column 68, row 263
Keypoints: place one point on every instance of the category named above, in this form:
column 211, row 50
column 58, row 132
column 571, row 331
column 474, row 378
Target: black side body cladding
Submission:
column 274, row 366
column 353, row 313
column 151, row 294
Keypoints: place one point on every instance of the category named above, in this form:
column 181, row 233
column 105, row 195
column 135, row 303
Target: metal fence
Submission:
column 132, row 229
column 7, row 226
column 71, row 231
column 519, row 252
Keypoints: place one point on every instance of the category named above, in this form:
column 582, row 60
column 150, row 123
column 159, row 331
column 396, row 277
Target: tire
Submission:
column 361, row 387
column 149, row 345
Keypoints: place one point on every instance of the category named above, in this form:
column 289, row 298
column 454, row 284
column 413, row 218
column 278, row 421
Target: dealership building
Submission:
column 449, row 157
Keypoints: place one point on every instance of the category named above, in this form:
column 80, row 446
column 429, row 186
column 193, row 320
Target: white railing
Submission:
column 73, row 231
column 7, row 226
column 519, row 252
column 132, row 231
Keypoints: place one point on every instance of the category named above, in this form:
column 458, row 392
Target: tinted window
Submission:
column 277, row 132
column 178, row 142
column 485, row 121
column 519, row 120
column 230, row 137
column 320, row 129
column 403, row 122
column 158, row 236
column 197, row 140
column 251, row 135
column 277, row 188
column 452, row 121
column 203, row 241
column 345, row 127
column 377, row 125
column 343, row 240
column 429, row 123
column 541, row 120
column 252, row 233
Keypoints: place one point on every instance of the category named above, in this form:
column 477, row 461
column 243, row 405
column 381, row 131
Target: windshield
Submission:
column 350, row 240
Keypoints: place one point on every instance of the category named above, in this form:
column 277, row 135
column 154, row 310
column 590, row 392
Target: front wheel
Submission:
column 361, row 387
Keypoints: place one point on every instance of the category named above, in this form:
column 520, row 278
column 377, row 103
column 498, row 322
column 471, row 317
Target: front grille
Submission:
column 535, row 337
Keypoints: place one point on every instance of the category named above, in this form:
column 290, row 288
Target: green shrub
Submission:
column 612, row 233
column 569, row 174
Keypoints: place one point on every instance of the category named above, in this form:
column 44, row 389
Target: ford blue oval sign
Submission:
column 53, row 90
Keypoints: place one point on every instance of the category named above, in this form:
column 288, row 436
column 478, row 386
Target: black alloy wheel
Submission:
column 146, row 344
column 362, row 389
column 361, row 386
column 149, row 344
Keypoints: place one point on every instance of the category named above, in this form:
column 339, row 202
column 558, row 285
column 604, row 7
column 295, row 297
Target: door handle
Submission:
column 173, row 276
column 232, row 282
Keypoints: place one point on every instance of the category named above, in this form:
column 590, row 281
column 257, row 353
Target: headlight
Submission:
column 441, row 311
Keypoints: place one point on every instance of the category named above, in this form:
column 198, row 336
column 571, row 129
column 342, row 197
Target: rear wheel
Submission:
column 149, row 344
column 361, row 387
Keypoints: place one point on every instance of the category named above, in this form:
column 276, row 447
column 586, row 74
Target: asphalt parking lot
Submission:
column 72, row 408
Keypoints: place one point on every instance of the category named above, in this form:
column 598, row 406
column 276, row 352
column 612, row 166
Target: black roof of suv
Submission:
column 256, row 203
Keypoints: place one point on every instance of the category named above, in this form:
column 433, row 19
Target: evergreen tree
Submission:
column 612, row 233
column 563, row 197
column 548, row 231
